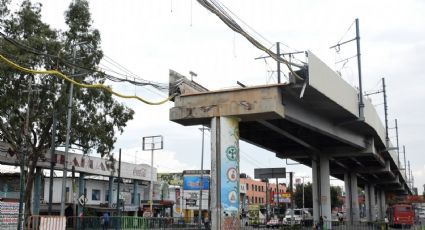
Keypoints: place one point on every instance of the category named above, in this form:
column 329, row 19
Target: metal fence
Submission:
column 131, row 222
column 327, row 225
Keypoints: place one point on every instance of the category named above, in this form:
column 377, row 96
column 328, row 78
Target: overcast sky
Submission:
column 151, row 37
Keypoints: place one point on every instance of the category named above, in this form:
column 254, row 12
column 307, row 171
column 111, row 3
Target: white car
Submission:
column 299, row 216
column 421, row 215
column 273, row 223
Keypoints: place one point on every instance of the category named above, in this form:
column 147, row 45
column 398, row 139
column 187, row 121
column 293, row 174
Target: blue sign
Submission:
column 194, row 182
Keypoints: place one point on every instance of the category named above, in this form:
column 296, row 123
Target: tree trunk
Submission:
column 29, row 183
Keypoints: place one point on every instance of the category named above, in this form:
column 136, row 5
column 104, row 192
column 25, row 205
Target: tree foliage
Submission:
column 336, row 192
column 96, row 116
column 308, row 195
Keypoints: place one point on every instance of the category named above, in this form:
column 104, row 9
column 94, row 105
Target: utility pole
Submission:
column 384, row 90
column 398, row 149
column 151, row 184
column 52, row 161
column 410, row 175
column 277, row 195
column 291, row 191
column 149, row 144
column 68, row 129
column 359, row 67
column 22, row 158
column 201, row 179
column 267, row 198
column 404, row 155
column 303, row 177
column 118, row 189
column 278, row 62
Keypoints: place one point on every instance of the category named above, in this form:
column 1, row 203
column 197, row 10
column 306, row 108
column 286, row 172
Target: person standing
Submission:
column 105, row 221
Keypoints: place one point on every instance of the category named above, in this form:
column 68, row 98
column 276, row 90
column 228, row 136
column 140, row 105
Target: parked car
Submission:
column 300, row 216
column 422, row 215
column 272, row 223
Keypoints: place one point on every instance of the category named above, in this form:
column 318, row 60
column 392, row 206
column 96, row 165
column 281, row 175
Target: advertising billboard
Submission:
column 192, row 182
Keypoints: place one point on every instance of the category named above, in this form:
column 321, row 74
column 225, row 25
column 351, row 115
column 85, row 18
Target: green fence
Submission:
column 131, row 222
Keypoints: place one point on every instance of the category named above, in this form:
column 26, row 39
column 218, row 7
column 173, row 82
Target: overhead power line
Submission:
column 95, row 86
column 129, row 77
column 216, row 8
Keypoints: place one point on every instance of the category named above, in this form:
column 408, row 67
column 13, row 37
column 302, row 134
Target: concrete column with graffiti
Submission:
column 225, row 173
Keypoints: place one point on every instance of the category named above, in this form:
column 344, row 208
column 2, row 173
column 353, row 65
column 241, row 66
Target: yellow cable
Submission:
column 98, row 86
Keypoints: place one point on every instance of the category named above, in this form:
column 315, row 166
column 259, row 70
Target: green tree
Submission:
column 308, row 195
column 96, row 116
column 336, row 193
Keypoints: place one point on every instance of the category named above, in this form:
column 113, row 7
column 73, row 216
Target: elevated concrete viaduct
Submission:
column 314, row 122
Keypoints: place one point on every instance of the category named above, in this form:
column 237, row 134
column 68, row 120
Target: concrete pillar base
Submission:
column 372, row 202
column 355, row 211
column 367, row 203
column 225, row 173
column 321, row 191
column 379, row 213
column 348, row 197
column 383, row 206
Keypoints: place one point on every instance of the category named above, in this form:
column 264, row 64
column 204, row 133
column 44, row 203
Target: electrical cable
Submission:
column 265, row 39
column 97, row 86
column 142, row 82
column 224, row 17
column 346, row 31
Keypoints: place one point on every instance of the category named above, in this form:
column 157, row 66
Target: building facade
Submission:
column 258, row 192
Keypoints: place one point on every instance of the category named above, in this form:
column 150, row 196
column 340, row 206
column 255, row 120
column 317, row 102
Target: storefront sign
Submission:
column 191, row 199
column 194, row 182
column 9, row 212
column 83, row 163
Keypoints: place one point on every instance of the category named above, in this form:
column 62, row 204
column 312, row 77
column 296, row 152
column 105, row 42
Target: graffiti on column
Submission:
column 230, row 171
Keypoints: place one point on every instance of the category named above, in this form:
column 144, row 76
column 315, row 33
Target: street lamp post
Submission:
column 303, row 177
column 202, row 175
column 152, row 143
column 118, row 190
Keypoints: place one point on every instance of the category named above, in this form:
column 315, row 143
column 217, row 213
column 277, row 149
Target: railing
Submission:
column 131, row 222
column 327, row 225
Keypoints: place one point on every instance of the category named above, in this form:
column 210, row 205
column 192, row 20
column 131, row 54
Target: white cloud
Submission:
column 164, row 160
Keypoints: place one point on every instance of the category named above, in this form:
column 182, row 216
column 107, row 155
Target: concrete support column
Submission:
column 325, row 191
column 348, row 197
column 383, row 204
column 135, row 200
column 367, row 202
column 36, row 192
column 321, row 191
column 225, row 173
column 111, row 182
column 315, row 188
column 378, row 205
column 372, row 198
column 354, row 199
